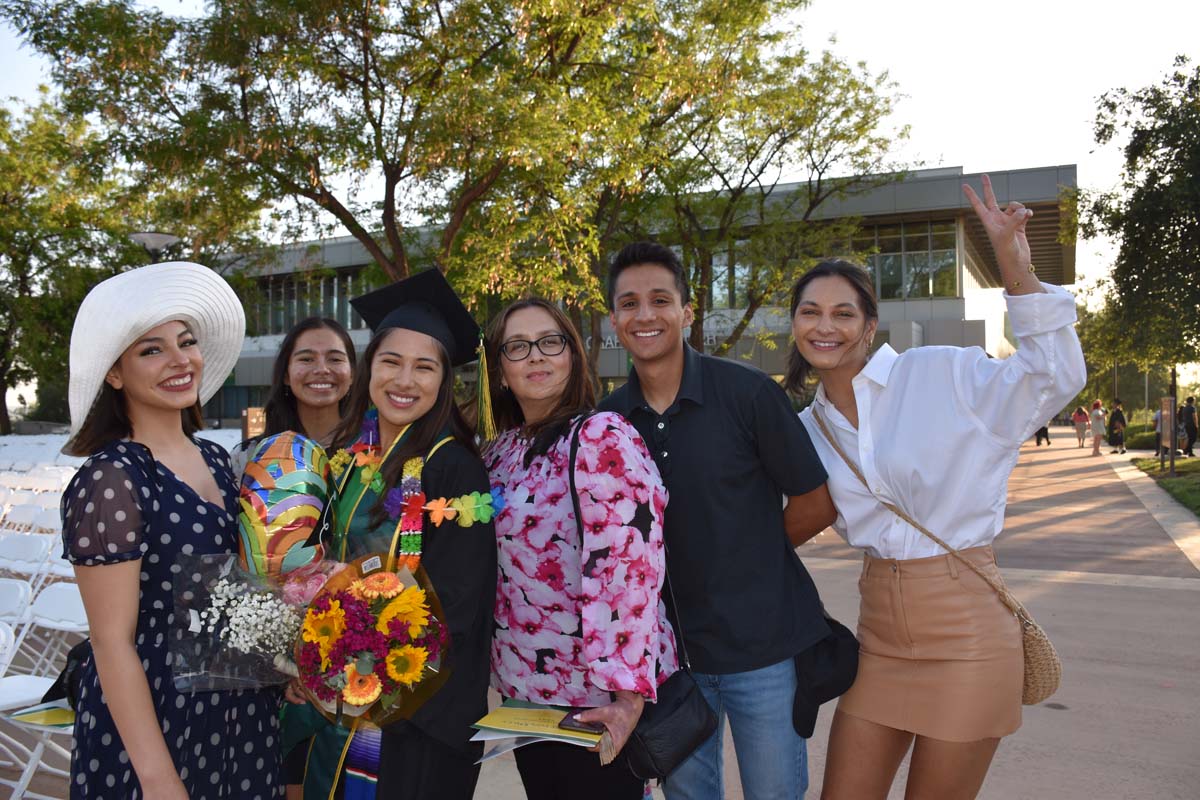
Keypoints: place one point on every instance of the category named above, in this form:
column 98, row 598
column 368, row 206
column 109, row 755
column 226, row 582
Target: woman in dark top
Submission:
column 309, row 384
column 402, row 423
column 149, row 492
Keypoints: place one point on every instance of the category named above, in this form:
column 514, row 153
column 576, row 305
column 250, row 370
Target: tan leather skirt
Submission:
column 940, row 655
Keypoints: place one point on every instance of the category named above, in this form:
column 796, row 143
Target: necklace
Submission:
column 407, row 503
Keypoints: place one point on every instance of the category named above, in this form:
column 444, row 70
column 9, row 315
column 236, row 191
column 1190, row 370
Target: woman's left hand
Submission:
column 620, row 717
column 1005, row 227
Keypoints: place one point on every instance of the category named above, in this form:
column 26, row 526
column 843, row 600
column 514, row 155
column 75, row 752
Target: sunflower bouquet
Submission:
column 372, row 643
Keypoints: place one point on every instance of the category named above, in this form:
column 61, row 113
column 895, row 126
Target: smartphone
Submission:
column 570, row 723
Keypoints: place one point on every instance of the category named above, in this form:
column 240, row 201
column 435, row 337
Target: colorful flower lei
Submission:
column 407, row 503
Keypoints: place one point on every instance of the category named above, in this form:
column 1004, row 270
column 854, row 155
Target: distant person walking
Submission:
column 1116, row 427
column 1043, row 433
column 1080, row 419
column 1187, row 415
column 1097, row 420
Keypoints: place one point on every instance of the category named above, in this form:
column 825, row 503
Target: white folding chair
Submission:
column 19, row 691
column 27, row 556
column 48, row 520
column 22, row 497
column 49, row 499
column 19, row 518
column 58, row 611
column 22, row 465
column 16, row 595
column 62, row 459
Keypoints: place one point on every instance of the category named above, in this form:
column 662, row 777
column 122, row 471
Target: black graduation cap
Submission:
column 426, row 303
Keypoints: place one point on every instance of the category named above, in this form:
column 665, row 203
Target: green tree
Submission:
column 66, row 212
column 747, row 189
column 512, row 144
column 1155, row 214
column 373, row 115
column 53, row 179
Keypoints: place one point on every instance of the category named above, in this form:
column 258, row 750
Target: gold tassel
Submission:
column 485, row 420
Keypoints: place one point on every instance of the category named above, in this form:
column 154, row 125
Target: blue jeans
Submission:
column 772, row 758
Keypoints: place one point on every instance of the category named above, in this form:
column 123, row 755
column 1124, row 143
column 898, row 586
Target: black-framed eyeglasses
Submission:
column 551, row 344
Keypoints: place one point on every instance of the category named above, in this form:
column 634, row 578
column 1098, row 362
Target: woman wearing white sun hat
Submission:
column 149, row 347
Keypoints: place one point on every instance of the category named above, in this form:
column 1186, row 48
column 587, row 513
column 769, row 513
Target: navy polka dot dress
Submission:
column 124, row 505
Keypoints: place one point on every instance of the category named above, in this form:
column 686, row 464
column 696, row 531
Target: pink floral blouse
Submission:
column 539, row 653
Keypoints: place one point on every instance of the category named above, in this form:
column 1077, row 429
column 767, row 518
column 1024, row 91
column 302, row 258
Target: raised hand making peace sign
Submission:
column 1006, row 231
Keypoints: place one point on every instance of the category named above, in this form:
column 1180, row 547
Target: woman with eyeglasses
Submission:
column 579, row 616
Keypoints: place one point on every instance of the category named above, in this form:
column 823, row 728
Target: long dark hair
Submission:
column 864, row 287
column 424, row 433
column 578, row 397
column 280, row 408
column 108, row 420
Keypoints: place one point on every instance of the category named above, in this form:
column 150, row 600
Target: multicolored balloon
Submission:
column 284, row 489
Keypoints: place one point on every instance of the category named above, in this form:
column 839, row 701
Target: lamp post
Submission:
column 154, row 243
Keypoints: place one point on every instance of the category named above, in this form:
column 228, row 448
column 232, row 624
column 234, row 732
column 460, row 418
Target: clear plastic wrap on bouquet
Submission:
column 373, row 643
column 234, row 629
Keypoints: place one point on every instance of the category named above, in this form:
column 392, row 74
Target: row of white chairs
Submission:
column 31, row 519
column 39, row 621
column 23, row 459
column 52, row 480
column 44, row 608
column 43, row 517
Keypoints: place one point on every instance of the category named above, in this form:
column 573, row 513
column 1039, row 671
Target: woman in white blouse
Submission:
column 931, row 431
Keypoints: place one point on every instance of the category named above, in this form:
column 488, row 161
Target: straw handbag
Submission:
column 1043, row 670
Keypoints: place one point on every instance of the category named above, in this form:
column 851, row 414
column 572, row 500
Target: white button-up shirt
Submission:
column 939, row 430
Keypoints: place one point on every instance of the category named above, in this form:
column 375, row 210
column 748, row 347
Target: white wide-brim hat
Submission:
column 118, row 311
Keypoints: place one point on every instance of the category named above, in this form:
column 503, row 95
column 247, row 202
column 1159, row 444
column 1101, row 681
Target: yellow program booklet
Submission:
column 516, row 723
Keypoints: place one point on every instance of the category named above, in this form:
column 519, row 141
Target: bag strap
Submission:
column 684, row 661
column 1006, row 596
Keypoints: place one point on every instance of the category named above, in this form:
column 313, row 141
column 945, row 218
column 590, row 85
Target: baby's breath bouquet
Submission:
column 235, row 629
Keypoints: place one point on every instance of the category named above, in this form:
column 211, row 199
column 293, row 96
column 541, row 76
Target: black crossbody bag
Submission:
column 671, row 729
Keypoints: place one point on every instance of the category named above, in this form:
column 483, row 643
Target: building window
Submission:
column 911, row 260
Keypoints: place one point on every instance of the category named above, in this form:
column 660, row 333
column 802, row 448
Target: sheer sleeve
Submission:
column 102, row 513
column 622, row 500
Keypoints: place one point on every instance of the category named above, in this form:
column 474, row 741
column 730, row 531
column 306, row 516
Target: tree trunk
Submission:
column 700, row 292
column 5, row 422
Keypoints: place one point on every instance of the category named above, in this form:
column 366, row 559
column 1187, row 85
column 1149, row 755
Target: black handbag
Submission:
column 68, row 683
column 671, row 729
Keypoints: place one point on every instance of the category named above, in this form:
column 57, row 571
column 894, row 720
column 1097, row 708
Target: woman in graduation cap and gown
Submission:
column 403, row 424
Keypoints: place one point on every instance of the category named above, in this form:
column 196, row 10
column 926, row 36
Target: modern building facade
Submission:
column 935, row 274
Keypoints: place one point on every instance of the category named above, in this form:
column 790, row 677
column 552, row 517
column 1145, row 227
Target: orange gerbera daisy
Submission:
column 361, row 690
column 378, row 584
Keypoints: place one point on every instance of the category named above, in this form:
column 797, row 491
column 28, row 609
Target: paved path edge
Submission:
column 1177, row 520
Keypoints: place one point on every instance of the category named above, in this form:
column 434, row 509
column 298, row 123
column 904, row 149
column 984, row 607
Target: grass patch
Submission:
column 1184, row 487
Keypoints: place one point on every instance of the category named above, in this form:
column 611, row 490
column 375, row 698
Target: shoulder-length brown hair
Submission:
column 108, row 421
column 424, row 433
column 578, row 397
column 858, row 278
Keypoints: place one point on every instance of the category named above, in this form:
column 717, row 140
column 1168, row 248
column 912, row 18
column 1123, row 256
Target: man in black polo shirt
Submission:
column 729, row 448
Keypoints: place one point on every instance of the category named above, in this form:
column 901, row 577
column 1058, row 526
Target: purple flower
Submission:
column 393, row 503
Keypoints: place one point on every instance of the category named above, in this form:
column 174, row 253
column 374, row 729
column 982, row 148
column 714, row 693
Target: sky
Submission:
column 995, row 86
column 985, row 86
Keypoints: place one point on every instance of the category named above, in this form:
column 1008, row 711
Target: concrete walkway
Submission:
column 1097, row 553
